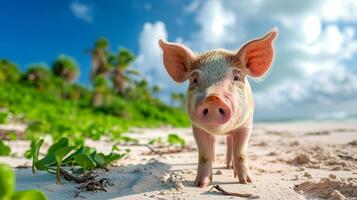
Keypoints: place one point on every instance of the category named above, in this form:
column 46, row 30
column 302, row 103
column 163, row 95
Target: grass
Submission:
column 47, row 112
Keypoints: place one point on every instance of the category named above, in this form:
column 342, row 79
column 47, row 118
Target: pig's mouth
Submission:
column 213, row 110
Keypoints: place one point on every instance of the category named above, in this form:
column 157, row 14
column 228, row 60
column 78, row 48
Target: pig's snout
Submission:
column 213, row 110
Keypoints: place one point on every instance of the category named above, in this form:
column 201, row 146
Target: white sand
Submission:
column 315, row 156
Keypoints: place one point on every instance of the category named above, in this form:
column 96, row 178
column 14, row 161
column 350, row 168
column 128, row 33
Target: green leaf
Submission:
column 29, row 195
column 84, row 161
column 46, row 162
column 115, row 148
column 60, row 154
column 63, row 152
column 3, row 117
column 12, row 135
column 82, row 149
column 63, row 142
column 28, row 154
column 114, row 156
column 50, row 158
column 7, row 181
column 156, row 140
column 35, row 150
column 69, row 159
column 4, row 149
column 128, row 139
column 173, row 139
column 100, row 159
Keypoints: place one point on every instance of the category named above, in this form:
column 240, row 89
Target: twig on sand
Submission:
column 224, row 192
column 22, row 166
column 169, row 150
column 347, row 157
column 151, row 148
column 166, row 149
column 142, row 145
column 92, row 186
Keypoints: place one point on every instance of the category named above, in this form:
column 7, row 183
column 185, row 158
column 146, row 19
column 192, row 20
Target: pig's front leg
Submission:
column 206, row 155
column 240, row 145
column 229, row 155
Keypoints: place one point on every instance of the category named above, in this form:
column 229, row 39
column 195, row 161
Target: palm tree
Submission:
column 121, row 72
column 9, row 71
column 100, row 65
column 39, row 75
column 66, row 68
column 140, row 91
column 100, row 69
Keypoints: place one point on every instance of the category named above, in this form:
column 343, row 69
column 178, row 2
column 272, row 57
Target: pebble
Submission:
column 332, row 176
column 307, row 175
column 219, row 172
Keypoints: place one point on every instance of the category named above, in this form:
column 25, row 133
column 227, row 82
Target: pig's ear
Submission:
column 177, row 59
column 257, row 55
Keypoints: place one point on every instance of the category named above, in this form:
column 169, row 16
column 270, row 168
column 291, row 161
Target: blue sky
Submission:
column 38, row 31
column 314, row 73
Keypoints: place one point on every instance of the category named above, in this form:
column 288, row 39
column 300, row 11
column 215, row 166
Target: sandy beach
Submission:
column 300, row 160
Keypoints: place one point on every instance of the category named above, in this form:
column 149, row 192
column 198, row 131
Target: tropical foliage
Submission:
column 50, row 102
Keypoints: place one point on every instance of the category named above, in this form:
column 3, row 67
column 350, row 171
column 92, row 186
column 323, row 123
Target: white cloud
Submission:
column 311, row 28
column 334, row 10
column 312, row 49
column 334, row 46
column 149, row 60
column 192, row 7
column 216, row 25
column 310, row 76
column 332, row 92
column 82, row 11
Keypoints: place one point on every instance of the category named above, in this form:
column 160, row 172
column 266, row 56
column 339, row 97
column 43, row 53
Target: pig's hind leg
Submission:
column 206, row 150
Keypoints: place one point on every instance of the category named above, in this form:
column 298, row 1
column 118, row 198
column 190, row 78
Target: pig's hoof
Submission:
column 204, row 176
column 229, row 165
column 202, row 181
column 241, row 170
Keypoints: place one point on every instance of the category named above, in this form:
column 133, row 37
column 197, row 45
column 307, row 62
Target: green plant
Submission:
column 4, row 149
column 9, row 71
column 120, row 72
column 11, row 135
column 156, row 140
column 85, row 161
column 3, row 117
column 173, row 139
column 7, row 186
column 35, row 150
column 61, row 154
column 42, row 94
column 39, row 76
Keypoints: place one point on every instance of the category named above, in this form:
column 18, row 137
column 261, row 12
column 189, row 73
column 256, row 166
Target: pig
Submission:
column 219, row 99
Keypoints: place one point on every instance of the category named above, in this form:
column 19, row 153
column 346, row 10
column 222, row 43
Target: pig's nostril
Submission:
column 221, row 111
column 205, row 111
